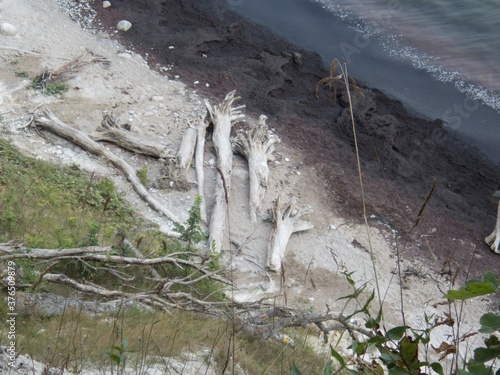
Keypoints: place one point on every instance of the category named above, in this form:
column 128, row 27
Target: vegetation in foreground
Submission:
column 44, row 206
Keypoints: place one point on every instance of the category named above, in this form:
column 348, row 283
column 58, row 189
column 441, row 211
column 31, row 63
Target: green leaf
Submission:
column 295, row 370
column 337, row 356
column 482, row 355
column 490, row 322
column 327, row 370
column 491, row 277
column 368, row 301
column 436, row 367
column 396, row 333
column 371, row 324
column 463, row 372
column 115, row 358
column 388, row 357
column 398, row 371
column 409, row 350
column 479, row 369
column 471, row 290
column 358, row 347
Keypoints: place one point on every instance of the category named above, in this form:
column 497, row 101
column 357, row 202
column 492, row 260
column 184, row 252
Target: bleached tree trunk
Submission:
column 52, row 123
column 493, row 240
column 201, row 130
column 223, row 117
column 111, row 131
column 286, row 221
column 177, row 168
column 256, row 145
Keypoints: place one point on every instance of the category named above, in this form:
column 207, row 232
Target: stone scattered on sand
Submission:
column 7, row 29
column 123, row 25
column 106, row 4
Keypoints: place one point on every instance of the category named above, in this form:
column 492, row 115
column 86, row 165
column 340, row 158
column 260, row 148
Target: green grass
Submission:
column 75, row 340
column 45, row 206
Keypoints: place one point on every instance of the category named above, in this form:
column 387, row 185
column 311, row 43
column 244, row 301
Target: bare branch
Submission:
column 111, row 131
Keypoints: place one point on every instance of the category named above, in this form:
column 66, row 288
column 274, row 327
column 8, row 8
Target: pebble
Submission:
column 7, row 29
column 157, row 98
column 123, row 25
column 106, row 4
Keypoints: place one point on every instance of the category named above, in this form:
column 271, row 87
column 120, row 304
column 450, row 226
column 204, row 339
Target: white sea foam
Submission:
column 392, row 40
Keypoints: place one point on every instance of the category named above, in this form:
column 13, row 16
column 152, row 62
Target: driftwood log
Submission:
column 111, row 131
column 201, row 131
column 256, row 145
column 223, row 117
column 286, row 221
column 493, row 240
column 52, row 123
column 176, row 169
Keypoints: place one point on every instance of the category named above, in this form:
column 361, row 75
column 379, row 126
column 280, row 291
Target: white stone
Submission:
column 106, row 4
column 157, row 98
column 123, row 25
column 7, row 29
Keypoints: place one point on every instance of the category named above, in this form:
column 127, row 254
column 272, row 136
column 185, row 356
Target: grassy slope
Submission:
column 45, row 206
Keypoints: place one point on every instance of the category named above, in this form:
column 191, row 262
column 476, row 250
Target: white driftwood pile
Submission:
column 255, row 144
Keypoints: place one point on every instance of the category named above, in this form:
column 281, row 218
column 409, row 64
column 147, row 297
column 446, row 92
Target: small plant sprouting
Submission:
column 193, row 232
column 118, row 355
column 142, row 175
column 41, row 82
column 21, row 74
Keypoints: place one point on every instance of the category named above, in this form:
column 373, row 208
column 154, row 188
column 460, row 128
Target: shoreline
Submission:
column 429, row 91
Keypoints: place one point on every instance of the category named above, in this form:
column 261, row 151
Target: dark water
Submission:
column 418, row 52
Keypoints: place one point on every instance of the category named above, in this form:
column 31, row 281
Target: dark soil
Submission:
column 401, row 155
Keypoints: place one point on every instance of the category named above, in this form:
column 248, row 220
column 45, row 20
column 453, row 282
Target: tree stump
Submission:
column 223, row 117
column 257, row 146
column 286, row 221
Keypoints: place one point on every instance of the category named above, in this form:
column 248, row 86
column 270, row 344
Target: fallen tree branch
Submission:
column 223, row 118
column 257, row 146
column 111, row 131
column 105, row 255
column 286, row 221
column 270, row 323
column 52, row 123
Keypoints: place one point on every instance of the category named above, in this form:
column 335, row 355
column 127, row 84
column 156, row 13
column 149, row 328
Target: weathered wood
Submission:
column 176, row 169
column 286, row 221
column 256, row 145
column 52, row 123
column 493, row 240
column 223, row 118
column 111, row 131
column 201, row 130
